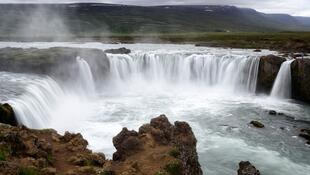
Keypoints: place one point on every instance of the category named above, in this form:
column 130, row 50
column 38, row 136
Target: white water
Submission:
column 212, row 89
column 86, row 77
column 282, row 85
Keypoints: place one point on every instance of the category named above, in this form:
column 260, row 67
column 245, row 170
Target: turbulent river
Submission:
column 213, row 89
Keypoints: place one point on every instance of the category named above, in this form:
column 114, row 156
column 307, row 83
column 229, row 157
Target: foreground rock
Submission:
column 158, row 148
column 246, row 168
column 301, row 79
column 122, row 50
column 269, row 67
column 7, row 115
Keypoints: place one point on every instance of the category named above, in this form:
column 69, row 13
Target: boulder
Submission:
column 272, row 112
column 269, row 67
column 305, row 133
column 7, row 115
column 122, row 50
column 301, row 79
column 257, row 124
column 246, row 168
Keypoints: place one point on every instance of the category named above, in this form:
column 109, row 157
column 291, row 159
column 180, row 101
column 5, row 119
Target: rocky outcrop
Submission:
column 171, row 148
column 122, row 50
column 246, row 168
column 7, row 115
column 301, row 79
column 269, row 67
column 158, row 148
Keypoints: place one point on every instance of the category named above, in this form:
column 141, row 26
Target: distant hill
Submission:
column 98, row 19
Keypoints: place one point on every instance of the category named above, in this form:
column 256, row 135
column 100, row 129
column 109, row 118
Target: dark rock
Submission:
column 122, row 50
column 7, row 115
column 305, row 133
column 272, row 112
column 301, row 79
column 246, row 168
column 257, row 124
column 257, row 50
column 126, row 143
column 269, row 67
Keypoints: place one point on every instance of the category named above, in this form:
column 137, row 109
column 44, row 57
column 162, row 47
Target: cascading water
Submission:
column 282, row 84
column 189, row 82
column 230, row 72
column 35, row 107
column 86, row 77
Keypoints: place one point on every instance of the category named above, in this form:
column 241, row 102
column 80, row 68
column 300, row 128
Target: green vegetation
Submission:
column 174, row 168
column 161, row 173
column 27, row 171
column 2, row 155
column 174, row 153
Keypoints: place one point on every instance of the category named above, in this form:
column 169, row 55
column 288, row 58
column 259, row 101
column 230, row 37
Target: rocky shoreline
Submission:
column 158, row 148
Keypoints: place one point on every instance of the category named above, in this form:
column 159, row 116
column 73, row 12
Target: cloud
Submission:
column 293, row 7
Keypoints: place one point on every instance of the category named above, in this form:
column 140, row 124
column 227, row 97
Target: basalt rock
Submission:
column 7, row 115
column 301, row 79
column 269, row 67
column 305, row 133
column 122, row 50
column 246, row 168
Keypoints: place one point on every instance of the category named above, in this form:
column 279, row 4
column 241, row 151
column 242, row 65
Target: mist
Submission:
column 44, row 23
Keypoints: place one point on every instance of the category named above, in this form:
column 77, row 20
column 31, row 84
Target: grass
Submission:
column 2, row 155
column 173, row 168
column 27, row 171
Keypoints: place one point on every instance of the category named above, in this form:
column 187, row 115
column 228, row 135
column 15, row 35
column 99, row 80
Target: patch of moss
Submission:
column 161, row 173
column 106, row 172
column 174, row 168
column 174, row 153
column 2, row 155
column 27, row 171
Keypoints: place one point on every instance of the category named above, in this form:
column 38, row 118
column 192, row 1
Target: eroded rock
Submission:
column 300, row 69
column 122, row 50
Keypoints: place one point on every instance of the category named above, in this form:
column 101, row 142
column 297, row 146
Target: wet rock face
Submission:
column 301, row 79
column 269, row 67
column 122, row 50
column 7, row 115
column 176, row 137
column 246, row 168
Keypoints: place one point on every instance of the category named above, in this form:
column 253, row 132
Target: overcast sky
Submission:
column 293, row 7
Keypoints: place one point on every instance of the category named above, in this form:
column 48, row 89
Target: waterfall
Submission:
column 231, row 72
column 282, row 84
column 86, row 77
column 35, row 107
